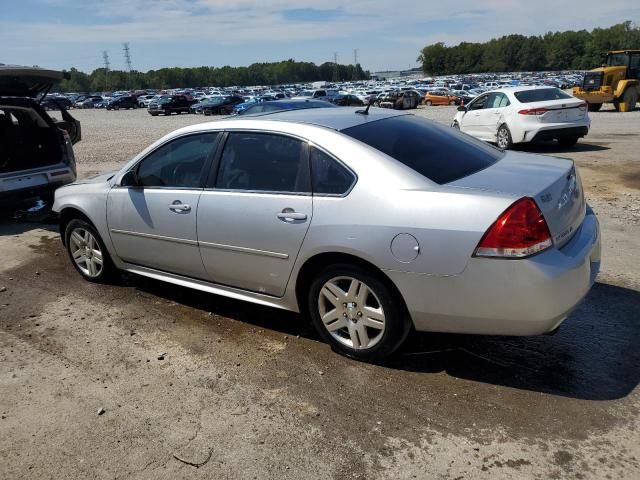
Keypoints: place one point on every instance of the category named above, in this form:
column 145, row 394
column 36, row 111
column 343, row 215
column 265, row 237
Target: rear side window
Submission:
column 328, row 176
column 541, row 95
column 264, row 162
column 442, row 154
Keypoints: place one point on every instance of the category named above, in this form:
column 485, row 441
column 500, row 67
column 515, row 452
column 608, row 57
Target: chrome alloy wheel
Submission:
column 351, row 312
column 86, row 252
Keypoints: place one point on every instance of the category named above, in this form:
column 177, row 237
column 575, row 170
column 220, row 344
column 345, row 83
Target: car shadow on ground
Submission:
column 593, row 356
column 550, row 148
column 23, row 216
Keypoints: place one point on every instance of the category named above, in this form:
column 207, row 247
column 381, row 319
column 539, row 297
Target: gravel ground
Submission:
column 134, row 379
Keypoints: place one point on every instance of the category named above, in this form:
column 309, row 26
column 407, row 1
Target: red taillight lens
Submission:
column 533, row 111
column 519, row 232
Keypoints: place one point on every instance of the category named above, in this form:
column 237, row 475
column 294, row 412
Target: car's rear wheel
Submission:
column 568, row 141
column 357, row 313
column 503, row 138
column 428, row 103
column 87, row 252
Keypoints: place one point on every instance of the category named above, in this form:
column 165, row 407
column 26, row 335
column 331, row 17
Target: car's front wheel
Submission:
column 87, row 251
column 357, row 313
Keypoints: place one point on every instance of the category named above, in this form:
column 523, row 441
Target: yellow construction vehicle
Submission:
column 617, row 81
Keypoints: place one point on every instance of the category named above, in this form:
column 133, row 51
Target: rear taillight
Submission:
column 533, row 111
column 519, row 232
column 583, row 107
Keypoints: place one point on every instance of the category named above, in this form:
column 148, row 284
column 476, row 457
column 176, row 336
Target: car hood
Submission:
column 18, row 81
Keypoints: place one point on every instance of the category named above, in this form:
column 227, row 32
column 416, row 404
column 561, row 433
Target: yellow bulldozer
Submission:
column 617, row 81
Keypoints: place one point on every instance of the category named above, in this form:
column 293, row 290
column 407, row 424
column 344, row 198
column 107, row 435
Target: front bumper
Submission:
column 506, row 297
column 593, row 96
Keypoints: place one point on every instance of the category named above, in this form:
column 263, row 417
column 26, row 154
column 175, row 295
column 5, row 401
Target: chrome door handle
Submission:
column 179, row 207
column 291, row 215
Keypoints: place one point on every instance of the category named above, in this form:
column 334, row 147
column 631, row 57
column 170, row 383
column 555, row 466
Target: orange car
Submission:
column 440, row 98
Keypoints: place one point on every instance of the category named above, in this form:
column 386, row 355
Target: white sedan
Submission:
column 524, row 114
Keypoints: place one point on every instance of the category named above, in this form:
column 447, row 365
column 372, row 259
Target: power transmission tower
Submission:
column 127, row 58
column 335, row 66
column 105, row 56
column 355, row 64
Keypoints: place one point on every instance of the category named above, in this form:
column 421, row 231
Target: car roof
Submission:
column 334, row 118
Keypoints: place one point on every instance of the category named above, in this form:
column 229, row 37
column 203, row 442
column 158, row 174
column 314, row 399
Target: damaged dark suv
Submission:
column 36, row 153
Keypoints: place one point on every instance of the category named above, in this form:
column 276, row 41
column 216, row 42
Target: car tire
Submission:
column 452, row 102
column 594, row 107
column 503, row 138
column 167, row 112
column 428, row 103
column 87, row 252
column 568, row 141
column 154, row 114
column 371, row 331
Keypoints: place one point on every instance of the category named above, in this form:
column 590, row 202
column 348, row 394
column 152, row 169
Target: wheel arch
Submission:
column 71, row 213
column 315, row 264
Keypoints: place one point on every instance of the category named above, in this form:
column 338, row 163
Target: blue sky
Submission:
column 388, row 35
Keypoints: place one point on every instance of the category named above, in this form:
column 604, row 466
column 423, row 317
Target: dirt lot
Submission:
column 253, row 392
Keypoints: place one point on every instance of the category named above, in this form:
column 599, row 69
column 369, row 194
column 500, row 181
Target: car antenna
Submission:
column 366, row 110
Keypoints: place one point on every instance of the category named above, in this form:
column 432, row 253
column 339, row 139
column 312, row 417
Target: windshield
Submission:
column 617, row 59
column 541, row 95
column 442, row 154
column 306, row 93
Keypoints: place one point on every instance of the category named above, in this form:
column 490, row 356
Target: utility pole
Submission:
column 105, row 56
column 335, row 66
column 127, row 58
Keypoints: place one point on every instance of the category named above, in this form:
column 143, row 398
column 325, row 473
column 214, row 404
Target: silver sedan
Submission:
column 370, row 222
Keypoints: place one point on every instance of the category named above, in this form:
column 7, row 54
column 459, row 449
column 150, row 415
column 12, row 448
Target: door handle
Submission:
column 288, row 214
column 177, row 207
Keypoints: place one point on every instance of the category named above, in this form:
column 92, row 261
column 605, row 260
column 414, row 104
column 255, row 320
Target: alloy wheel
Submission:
column 86, row 252
column 351, row 312
column 503, row 138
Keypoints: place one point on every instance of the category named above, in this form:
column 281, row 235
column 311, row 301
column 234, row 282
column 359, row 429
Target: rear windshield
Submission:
column 440, row 153
column 541, row 95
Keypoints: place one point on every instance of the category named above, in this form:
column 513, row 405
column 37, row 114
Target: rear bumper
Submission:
column 554, row 133
column 506, row 297
column 34, row 183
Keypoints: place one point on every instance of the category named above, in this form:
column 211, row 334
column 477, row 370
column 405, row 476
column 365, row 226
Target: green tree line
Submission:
column 581, row 50
column 276, row 73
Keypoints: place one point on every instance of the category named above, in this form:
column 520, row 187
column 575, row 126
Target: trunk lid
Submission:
column 554, row 184
column 559, row 111
column 19, row 81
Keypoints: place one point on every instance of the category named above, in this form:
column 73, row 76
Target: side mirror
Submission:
column 462, row 108
column 130, row 179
